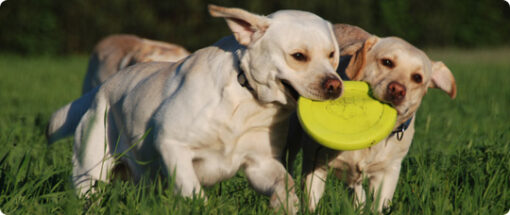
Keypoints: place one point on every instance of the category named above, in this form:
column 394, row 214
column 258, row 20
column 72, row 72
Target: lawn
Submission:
column 459, row 162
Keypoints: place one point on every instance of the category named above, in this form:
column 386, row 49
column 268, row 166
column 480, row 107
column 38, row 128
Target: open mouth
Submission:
column 290, row 90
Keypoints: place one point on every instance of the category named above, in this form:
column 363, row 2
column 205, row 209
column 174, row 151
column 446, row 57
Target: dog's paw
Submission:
column 290, row 206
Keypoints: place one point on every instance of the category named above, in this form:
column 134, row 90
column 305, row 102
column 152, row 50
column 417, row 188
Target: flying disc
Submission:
column 353, row 121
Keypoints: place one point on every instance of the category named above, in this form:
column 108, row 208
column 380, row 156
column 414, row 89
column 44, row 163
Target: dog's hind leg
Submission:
column 268, row 176
column 91, row 160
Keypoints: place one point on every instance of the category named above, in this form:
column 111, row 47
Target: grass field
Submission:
column 459, row 162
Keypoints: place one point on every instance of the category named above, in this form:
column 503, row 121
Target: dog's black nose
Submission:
column 395, row 92
column 333, row 87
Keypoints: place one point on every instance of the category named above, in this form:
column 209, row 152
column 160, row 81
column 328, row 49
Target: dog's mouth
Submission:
column 289, row 90
column 399, row 107
column 385, row 100
column 390, row 103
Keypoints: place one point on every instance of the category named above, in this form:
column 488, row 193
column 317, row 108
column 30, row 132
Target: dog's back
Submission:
column 65, row 120
column 116, row 52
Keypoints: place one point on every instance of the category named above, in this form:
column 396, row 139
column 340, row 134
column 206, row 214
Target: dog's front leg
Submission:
column 267, row 175
column 315, row 183
column 178, row 162
column 384, row 184
column 315, row 163
column 360, row 195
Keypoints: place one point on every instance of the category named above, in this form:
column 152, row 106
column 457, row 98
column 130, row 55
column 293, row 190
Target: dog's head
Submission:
column 398, row 73
column 286, row 54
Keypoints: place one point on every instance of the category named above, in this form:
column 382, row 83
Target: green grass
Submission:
column 459, row 162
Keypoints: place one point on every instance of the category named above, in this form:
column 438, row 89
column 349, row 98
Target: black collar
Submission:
column 401, row 128
column 342, row 66
column 241, row 78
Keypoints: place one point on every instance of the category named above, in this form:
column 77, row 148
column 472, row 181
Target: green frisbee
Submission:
column 353, row 121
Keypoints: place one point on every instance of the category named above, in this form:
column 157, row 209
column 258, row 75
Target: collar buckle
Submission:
column 401, row 129
column 400, row 134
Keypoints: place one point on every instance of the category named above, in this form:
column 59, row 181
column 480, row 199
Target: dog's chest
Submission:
column 235, row 132
column 224, row 120
column 369, row 162
column 220, row 123
column 236, row 118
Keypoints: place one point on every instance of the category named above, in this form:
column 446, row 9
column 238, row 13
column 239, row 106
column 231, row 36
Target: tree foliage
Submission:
column 75, row 26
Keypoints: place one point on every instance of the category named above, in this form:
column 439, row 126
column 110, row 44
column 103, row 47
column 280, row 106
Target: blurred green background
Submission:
column 74, row 26
column 459, row 162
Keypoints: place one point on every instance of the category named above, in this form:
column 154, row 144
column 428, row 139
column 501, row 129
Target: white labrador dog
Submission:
column 119, row 51
column 398, row 74
column 223, row 108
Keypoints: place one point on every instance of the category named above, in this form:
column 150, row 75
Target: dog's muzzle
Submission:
column 332, row 87
column 395, row 92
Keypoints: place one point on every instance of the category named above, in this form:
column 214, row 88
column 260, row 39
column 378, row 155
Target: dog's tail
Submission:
column 64, row 121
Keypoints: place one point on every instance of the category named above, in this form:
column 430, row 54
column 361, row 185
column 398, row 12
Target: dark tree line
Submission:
column 74, row 26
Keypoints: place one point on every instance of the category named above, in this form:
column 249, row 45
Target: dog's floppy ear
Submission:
column 358, row 59
column 247, row 27
column 443, row 79
column 350, row 38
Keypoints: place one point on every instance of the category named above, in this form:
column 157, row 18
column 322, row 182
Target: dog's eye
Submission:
column 387, row 63
column 299, row 56
column 416, row 78
column 332, row 54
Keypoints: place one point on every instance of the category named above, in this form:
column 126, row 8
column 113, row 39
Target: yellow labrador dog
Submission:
column 399, row 74
column 117, row 52
column 200, row 120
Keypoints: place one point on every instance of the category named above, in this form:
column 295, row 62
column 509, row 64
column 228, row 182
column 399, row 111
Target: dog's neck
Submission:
column 241, row 78
column 261, row 87
column 235, row 51
column 399, row 131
